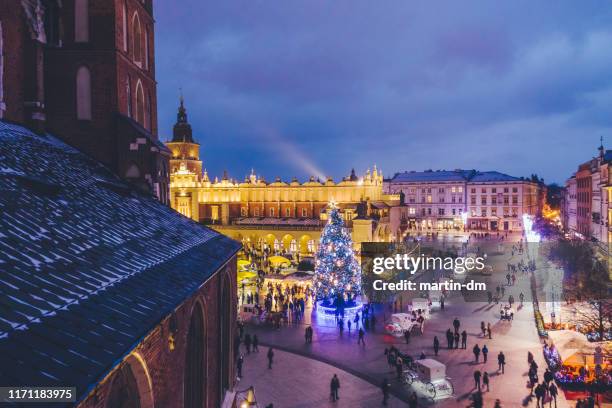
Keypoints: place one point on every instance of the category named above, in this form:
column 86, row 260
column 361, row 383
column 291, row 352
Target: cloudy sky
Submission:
column 294, row 88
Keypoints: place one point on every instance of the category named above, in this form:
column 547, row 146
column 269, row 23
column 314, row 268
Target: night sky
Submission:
column 294, row 88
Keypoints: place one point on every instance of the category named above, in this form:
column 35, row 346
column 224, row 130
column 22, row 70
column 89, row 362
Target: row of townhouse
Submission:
column 585, row 210
column 463, row 200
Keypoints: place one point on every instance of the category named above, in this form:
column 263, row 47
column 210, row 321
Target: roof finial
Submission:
column 181, row 95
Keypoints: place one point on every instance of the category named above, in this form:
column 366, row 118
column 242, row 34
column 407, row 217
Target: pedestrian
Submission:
column 239, row 365
column 436, row 345
column 247, row 342
column 464, row 339
column 399, row 365
column 361, row 337
column 497, row 403
column 407, row 336
column 553, row 394
column 501, row 361
column 456, row 324
column 548, row 376
column 255, row 343
column 385, row 390
column 334, row 386
column 483, row 329
column 476, row 351
column 413, row 400
column 485, row 380
column 348, row 324
column 489, row 330
column 449, row 338
column 485, row 352
column 539, row 393
column 356, row 320
column 477, row 376
column 456, row 336
column 270, row 357
column 442, row 303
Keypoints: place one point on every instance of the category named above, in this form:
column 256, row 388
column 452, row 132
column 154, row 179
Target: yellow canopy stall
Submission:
column 279, row 261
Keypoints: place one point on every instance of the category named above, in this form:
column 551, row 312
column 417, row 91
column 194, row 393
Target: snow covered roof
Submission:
column 452, row 176
column 88, row 266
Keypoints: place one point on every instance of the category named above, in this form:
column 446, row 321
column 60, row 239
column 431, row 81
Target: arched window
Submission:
column 195, row 361
column 83, row 93
column 137, row 39
column 140, row 109
column 124, row 389
column 133, row 172
column 81, row 20
column 125, row 30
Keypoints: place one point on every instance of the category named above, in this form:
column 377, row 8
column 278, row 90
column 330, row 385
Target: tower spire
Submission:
column 182, row 129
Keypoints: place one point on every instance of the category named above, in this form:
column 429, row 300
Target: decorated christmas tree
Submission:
column 337, row 278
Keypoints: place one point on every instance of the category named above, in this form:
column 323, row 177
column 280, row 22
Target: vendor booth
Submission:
column 576, row 361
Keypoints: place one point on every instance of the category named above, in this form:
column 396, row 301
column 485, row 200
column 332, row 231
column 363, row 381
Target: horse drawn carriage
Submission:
column 429, row 376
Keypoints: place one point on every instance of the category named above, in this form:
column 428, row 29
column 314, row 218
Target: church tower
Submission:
column 185, row 151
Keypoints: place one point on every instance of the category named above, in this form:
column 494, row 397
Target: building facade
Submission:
column 84, row 70
column 462, row 200
column 586, row 203
column 281, row 215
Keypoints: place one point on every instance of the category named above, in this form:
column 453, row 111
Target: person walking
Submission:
column 239, row 366
column 449, row 338
column 407, row 336
column 501, row 361
column 348, row 325
column 485, row 353
column 436, row 345
column 399, row 367
column 539, row 393
column 477, row 376
column 464, row 339
column 476, row 351
column 334, row 387
column 361, row 338
column 483, row 329
column 489, row 330
column 255, row 344
column 456, row 324
column 485, row 380
column 413, row 400
column 247, row 342
column 553, row 394
column 270, row 357
column 385, row 390
column 456, row 336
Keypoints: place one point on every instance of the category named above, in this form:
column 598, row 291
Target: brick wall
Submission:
column 166, row 367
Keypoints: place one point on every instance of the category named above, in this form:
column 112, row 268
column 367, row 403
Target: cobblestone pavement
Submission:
column 514, row 338
column 300, row 382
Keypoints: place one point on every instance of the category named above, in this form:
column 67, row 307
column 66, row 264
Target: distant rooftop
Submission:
column 459, row 175
column 88, row 266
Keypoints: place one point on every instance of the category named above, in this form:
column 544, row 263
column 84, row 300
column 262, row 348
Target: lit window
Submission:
column 272, row 212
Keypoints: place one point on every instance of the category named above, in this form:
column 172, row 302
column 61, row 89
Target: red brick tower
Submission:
column 84, row 69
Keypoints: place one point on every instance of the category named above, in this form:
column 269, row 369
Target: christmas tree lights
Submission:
column 337, row 278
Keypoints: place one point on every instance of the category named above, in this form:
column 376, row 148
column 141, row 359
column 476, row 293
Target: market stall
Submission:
column 576, row 361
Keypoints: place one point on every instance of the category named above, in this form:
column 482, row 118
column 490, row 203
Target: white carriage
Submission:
column 429, row 376
column 399, row 323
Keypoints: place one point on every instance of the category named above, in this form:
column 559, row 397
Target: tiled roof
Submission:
column 87, row 265
column 608, row 156
column 451, row 176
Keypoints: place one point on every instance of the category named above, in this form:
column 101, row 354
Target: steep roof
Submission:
column 88, row 266
column 431, row 176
